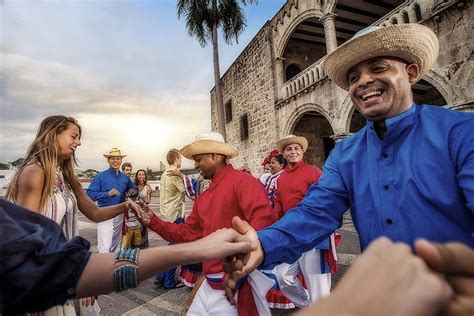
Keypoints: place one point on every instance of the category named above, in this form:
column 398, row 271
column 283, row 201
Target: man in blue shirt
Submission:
column 110, row 187
column 409, row 173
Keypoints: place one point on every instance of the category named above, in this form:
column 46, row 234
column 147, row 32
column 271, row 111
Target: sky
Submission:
column 127, row 70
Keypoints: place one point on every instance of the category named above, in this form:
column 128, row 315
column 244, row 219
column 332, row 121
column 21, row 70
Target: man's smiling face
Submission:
column 380, row 87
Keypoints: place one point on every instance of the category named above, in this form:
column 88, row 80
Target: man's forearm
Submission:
column 169, row 231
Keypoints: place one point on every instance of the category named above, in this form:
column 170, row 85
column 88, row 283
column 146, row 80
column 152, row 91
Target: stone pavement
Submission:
column 147, row 299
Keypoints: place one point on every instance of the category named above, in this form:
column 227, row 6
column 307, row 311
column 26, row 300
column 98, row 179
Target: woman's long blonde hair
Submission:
column 45, row 151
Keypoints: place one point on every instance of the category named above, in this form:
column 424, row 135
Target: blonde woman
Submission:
column 45, row 183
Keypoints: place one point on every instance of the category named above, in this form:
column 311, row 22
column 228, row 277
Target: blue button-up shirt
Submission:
column 106, row 181
column 416, row 182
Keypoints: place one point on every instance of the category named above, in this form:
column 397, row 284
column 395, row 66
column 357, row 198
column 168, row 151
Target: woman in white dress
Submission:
column 45, row 183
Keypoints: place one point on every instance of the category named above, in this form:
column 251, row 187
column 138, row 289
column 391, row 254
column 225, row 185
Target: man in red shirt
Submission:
column 231, row 193
column 291, row 188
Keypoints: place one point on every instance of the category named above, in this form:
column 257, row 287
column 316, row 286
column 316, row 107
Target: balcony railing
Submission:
column 408, row 12
column 305, row 79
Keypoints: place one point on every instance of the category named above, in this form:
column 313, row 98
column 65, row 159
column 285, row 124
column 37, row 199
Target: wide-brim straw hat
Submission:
column 209, row 143
column 114, row 152
column 292, row 139
column 413, row 42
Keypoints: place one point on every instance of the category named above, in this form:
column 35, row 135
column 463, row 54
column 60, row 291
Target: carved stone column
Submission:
column 329, row 31
column 412, row 14
column 280, row 76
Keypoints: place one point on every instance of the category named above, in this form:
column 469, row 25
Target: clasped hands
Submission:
column 388, row 278
column 141, row 210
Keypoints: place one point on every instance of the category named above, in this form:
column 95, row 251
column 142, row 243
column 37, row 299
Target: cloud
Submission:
column 109, row 113
column 128, row 71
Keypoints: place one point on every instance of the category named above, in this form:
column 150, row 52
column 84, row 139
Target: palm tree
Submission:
column 203, row 18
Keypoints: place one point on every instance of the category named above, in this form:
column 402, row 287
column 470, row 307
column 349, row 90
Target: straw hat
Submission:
column 292, row 139
column 114, row 152
column 209, row 143
column 413, row 42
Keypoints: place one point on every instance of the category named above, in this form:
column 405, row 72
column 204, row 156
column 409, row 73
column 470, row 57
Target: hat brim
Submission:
column 415, row 43
column 300, row 140
column 208, row 147
column 108, row 156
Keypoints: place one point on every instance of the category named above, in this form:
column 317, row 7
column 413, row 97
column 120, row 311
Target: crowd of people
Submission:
column 250, row 243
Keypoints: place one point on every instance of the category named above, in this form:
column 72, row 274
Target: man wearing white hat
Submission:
column 110, row 187
column 231, row 193
column 408, row 174
column 292, row 186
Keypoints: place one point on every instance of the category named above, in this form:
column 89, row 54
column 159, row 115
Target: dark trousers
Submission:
column 167, row 277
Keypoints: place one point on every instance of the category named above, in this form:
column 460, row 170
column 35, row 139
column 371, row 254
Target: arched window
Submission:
column 317, row 130
column 425, row 93
column 291, row 71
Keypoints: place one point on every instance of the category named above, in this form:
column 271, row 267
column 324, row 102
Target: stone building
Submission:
column 277, row 85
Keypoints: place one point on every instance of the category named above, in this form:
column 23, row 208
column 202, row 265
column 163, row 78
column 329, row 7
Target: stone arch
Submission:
column 347, row 111
column 299, row 112
column 286, row 35
column 313, row 122
column 440, row 84
column 352, row 120
column 425, row 93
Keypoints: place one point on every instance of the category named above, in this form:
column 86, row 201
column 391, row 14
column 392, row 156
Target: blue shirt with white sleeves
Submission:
column 416, row 182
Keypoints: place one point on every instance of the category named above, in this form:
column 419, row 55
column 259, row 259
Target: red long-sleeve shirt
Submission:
column 293, row 184
column 231, row 193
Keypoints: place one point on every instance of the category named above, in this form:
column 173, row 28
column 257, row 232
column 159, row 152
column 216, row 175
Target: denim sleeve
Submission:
column 311, row 221
column 40, row 268
column 94, row 189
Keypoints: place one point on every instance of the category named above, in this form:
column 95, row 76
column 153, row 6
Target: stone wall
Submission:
column 452, row 75
column 248, row 83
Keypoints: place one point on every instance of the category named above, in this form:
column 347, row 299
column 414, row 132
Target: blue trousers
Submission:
column 167, row 277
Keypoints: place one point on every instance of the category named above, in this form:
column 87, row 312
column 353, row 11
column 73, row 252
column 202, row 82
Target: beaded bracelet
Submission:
column 125, row 277
column 127, row 254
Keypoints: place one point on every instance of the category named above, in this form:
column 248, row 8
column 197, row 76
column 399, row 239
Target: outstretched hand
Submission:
column 456, row 262
column 240, row 265
column 140, row 212
column 220, row 244
column 147, row 215
column 173, row 173
column 386, row 277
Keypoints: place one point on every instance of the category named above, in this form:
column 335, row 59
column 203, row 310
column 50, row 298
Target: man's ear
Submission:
column 413, row 72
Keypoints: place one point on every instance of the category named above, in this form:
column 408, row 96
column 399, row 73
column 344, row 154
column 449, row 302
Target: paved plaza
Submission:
column 148, row 299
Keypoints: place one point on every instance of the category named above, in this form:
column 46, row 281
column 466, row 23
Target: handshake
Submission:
column 388, row 278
